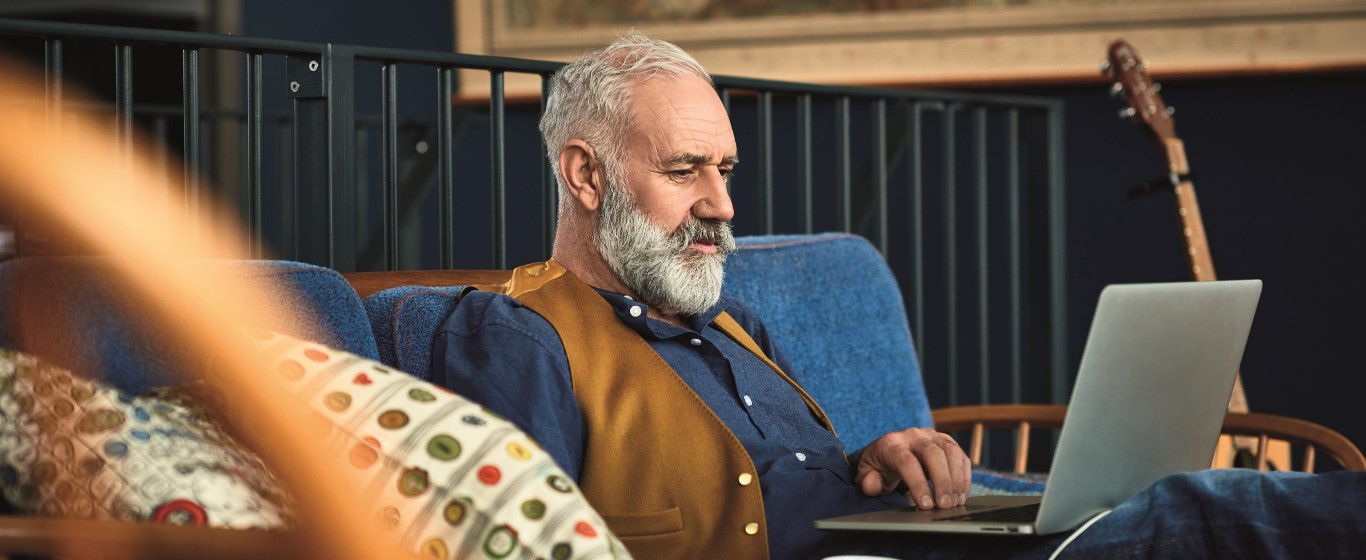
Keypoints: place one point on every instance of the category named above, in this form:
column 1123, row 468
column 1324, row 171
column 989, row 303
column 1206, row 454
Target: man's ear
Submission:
column 582, row 173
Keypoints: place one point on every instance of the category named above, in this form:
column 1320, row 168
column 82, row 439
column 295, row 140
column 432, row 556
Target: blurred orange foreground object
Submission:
column 74, row 178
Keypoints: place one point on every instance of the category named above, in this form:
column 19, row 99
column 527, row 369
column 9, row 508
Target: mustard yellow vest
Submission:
column 666, row 474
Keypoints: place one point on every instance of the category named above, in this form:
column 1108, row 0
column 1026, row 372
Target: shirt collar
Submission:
column 635, row 314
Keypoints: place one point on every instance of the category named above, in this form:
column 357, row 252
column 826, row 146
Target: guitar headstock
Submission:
column 1131, row 80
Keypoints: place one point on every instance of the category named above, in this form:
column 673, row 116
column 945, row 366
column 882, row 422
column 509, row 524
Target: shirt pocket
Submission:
column 640, row 525
column 834, row 466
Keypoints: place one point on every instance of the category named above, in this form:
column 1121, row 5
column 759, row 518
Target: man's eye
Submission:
column 726, row 172
column 681, row 173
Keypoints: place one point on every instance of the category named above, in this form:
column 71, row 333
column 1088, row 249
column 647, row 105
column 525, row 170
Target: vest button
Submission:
column 635, row 310
column 746, row 478
column 751, row 528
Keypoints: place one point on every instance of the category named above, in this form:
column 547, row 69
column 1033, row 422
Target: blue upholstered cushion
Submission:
column 834, row 309
column 405, row 320
column 829, row 301
column 73, row 312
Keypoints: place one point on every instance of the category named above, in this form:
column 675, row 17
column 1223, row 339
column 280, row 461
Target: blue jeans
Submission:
column 1210, row 514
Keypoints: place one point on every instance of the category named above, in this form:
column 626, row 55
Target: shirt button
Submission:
column 746, row 478
column 749, row 401
column 801, row 456
column 752, row 528
column 696, row 342
column 635, row 310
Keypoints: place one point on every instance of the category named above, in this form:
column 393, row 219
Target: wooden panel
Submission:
column 367, row 283
column 940, row 44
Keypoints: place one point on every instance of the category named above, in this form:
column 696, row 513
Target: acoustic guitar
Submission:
column 1146, row 107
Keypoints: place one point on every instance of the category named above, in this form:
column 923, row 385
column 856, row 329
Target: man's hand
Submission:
column 917, row 456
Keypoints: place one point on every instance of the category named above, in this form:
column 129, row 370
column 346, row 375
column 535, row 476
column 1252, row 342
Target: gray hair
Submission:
column 590, row 99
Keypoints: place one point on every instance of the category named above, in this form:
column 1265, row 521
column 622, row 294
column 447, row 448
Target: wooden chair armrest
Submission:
column 1313, row 436
column 58, row 537
column 1024, row 417
column 954, row 418
column 978, row 418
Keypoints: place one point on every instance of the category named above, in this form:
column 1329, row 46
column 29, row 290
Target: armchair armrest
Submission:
column 1266, row 427
column 56, row 537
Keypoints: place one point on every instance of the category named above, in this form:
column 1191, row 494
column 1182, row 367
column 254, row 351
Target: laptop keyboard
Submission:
column 1024, row 513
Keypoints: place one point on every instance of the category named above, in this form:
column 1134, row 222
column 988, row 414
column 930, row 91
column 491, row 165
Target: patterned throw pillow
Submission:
column 72, row 447
column 443, row 475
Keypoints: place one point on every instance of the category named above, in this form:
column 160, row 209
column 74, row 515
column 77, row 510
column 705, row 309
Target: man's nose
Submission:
column 715, row 202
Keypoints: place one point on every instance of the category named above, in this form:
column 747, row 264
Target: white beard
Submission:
column 659, row 266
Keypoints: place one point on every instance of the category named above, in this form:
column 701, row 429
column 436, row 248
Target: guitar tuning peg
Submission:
column 1104, row 66
column 1127, row 113
column 1116, row 89
column 1171, row 110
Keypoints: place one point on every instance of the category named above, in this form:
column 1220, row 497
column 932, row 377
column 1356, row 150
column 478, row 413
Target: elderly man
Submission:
column 668, row 402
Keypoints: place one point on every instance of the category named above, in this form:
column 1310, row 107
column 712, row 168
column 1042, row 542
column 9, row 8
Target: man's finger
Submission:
column 967, row 478
column 913, row 474
column 870, row 481
column 936, row 465
column 955, row 471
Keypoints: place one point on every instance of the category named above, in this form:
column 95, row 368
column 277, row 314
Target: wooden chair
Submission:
column 1026, row 417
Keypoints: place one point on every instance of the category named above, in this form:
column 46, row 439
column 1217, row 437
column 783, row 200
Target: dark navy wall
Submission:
column 404, row 24
column 1280, row 172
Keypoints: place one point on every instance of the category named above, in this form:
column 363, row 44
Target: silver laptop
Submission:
column 1149, row 400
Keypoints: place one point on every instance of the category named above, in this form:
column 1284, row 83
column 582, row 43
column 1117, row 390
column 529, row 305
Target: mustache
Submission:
column 716, row 232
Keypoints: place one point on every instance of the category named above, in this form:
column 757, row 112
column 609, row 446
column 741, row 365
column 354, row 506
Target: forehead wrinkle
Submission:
column 674, row 129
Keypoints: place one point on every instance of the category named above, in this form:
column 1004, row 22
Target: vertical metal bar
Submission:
column 843, row 182
column 880, row 170
column 362, row 169
column 498, row 177
column 550, row 207
column 52, row 73
column 445, row 145
column 244, row 183
column 389, row 161
column 340, row 76
column 1057, row 249
column 123, row 101
column 287, row 195
column 951, row 249
column 979, row 148
column 254, row 161
column 52, row 101
column 804, row 159
column 766, row 160
column 189, row 91
column 917, row 174
column 1013, row 200
column 159, row 134
column 324, row 129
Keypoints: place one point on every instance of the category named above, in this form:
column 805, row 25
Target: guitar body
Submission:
column 1147, row 107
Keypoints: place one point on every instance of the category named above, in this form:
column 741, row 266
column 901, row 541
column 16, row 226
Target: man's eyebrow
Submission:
column 688, row 158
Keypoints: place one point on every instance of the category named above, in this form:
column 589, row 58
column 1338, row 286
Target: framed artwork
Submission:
column 929, row 43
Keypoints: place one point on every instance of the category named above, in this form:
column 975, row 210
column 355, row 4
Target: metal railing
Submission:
column 962, row 193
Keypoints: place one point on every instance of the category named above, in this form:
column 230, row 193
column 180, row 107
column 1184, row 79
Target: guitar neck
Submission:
column 1197, row 245
column 1192, row 227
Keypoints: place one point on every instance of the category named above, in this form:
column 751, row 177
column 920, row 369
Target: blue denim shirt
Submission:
column 497, row 352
